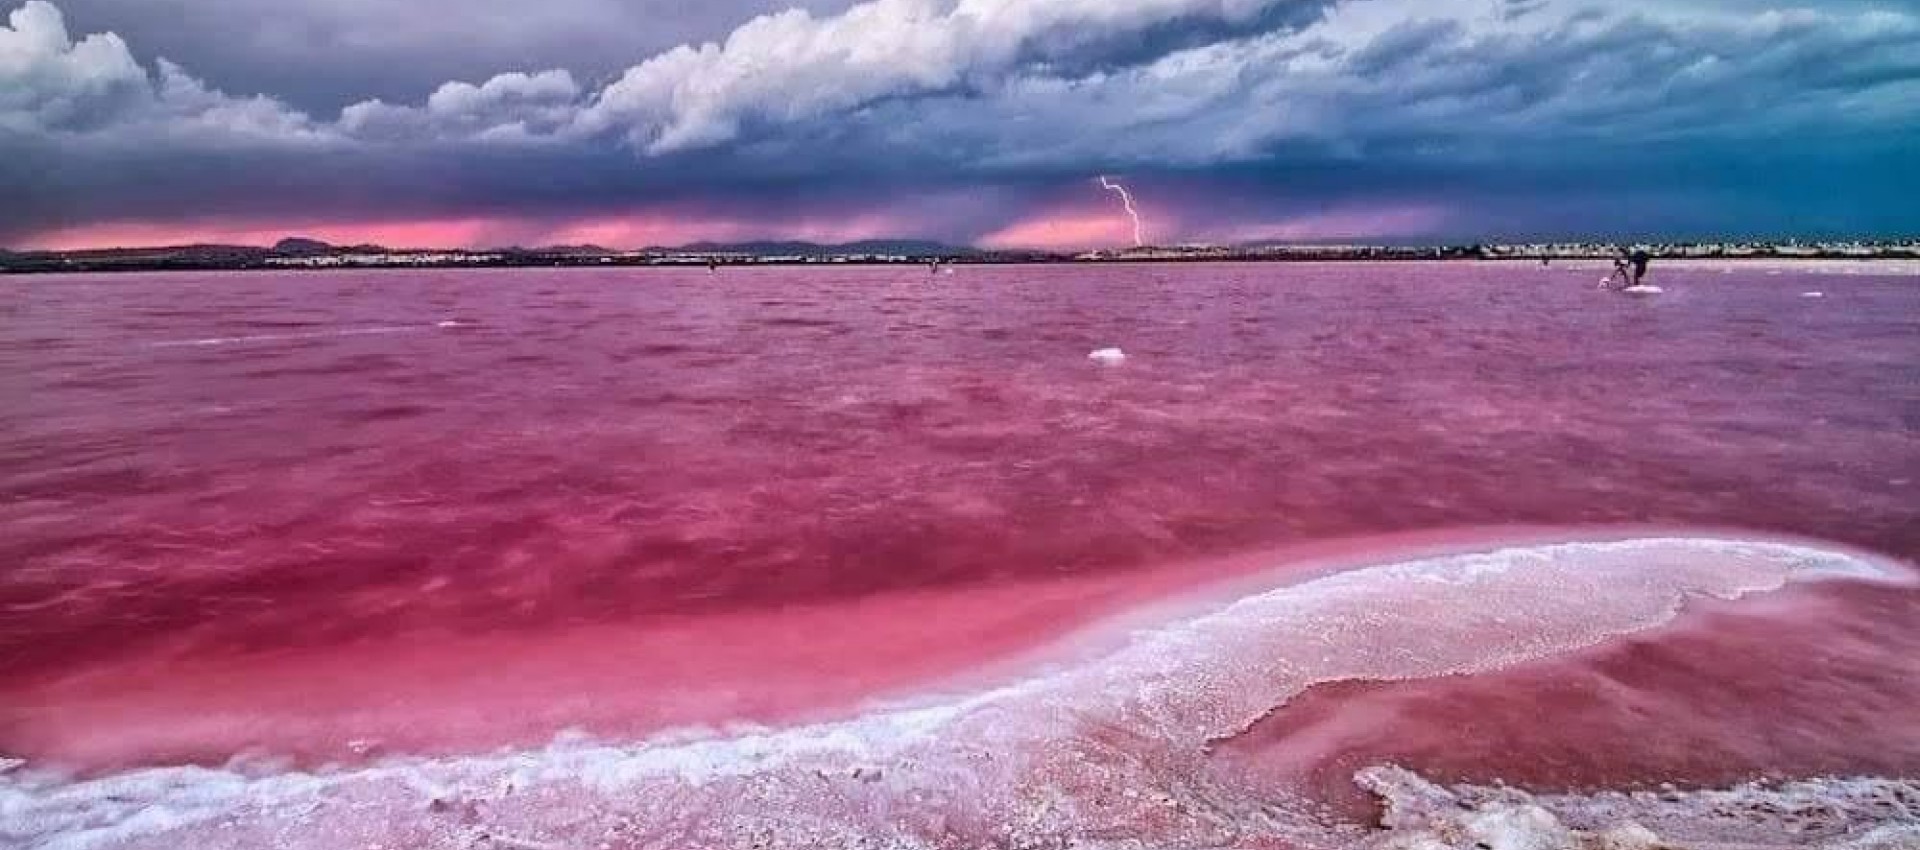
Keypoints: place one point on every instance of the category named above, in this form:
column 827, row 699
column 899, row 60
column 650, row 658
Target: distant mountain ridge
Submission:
column 210, row 251
column 308, row 251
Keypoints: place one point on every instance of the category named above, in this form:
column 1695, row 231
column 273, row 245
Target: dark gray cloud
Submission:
column 956, row 118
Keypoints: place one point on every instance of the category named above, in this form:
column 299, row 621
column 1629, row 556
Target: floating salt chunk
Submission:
column 1813, row 295
column 1108, row 356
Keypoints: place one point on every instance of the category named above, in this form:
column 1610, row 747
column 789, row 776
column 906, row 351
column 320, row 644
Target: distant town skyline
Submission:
column 639, row 123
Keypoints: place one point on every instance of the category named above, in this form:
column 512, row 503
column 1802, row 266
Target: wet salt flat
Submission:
column 864, row 557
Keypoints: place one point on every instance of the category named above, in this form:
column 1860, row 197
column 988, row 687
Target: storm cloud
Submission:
column 983, row 120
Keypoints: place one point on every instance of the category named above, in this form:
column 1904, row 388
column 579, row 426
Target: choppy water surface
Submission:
column 830, row 556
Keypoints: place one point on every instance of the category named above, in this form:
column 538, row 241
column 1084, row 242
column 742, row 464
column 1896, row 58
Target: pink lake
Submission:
column 675, row 555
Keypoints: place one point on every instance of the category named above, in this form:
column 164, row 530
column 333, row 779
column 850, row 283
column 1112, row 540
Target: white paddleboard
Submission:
column 1643, row 289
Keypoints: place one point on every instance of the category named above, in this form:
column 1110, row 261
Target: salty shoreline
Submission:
column 1045, row 757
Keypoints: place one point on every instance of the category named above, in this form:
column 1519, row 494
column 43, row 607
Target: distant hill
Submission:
column 157, row 258
column 300, row 246
column 179, row 253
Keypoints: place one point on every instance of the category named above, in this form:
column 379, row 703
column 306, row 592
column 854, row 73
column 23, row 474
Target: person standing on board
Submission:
column 1621, row 274
column 1628, row 269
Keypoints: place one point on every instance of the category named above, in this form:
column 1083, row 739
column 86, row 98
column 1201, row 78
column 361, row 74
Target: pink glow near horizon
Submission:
column 1061, row 229
column 425, row 233
column 665, row 228
column 617, row 231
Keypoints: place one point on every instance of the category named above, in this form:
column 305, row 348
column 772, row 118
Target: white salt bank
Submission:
column 1114, row 742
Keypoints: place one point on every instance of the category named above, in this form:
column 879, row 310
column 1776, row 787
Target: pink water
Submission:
column 354, row 516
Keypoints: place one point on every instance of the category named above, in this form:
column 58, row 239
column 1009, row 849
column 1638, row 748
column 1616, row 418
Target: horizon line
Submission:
column 1390, row 242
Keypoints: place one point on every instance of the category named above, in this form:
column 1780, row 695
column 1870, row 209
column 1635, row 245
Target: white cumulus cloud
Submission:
column 509, row 106
column 792, row 66
column 51, row 83
column 49, row 80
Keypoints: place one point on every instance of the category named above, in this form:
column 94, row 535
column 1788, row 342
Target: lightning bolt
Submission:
column 1126, row 198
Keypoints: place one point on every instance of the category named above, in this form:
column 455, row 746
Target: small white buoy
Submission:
column 1813, row 295
column 1108, row 356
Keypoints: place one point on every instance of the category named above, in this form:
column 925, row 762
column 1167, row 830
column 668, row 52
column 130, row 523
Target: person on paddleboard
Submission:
column 1621, row 274
column 1628, row 269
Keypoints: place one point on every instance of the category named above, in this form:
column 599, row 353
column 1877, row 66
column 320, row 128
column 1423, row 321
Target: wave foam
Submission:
column 305, row 335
